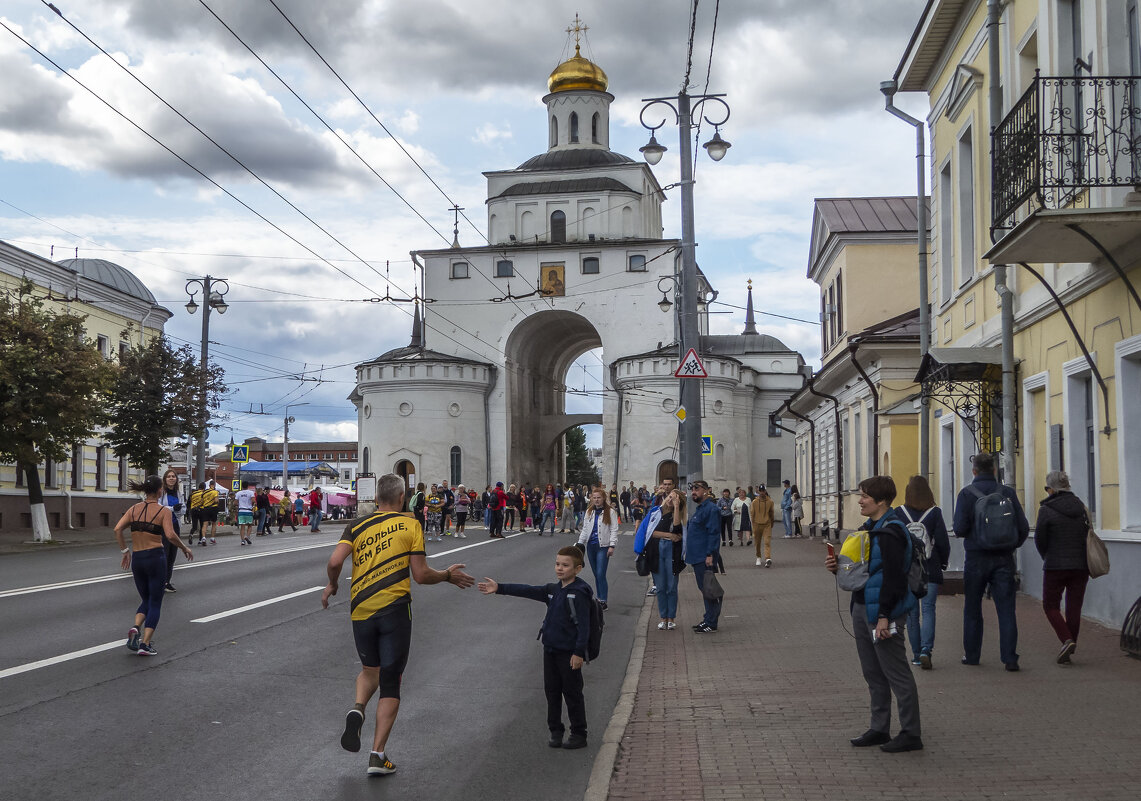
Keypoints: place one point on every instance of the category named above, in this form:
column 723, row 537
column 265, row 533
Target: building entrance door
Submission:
column 406, row 470
column 667, row 469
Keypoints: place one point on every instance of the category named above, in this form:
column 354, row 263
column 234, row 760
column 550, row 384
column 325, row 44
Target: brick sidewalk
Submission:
column 764, row 707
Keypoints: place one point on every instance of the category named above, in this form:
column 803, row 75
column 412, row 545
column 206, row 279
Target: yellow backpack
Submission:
column 853, row 560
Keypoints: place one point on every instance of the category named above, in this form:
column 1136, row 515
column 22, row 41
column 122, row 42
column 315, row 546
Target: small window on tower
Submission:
column 637, row 264
column 573, row 127
column 594, row 128
column 459, row 269
column 554, row 132
column 504, row 269
column 590, row 265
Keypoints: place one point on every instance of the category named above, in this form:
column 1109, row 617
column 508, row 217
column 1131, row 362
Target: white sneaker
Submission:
column 662, row 626
column 768, row 563
column 758, row 562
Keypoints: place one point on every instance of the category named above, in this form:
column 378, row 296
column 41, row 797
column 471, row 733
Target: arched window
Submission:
column 574, row 126
column 558, row 226
column 454, row 462
column 637, row 263
column 594, row 128
column 364, row 461
column 719, row 461
column 527, row 225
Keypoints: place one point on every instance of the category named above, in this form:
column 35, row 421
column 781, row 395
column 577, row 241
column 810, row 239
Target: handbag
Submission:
column 642, row 563
column 711, row 588
column 1097, row 555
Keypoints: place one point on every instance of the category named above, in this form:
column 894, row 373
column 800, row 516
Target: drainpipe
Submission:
column 1005, row 295
column 491, row 380
column 839, row 453
column 811, row 447
column 852, row 348
column 618, row 427
column 889, row 88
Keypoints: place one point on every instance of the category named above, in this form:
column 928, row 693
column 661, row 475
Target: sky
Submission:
column 453, row 88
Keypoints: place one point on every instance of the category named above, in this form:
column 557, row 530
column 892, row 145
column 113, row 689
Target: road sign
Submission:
column 691, row 367
column 706, row 445
column 680, row 414
column 240, row 454
column 235, row 485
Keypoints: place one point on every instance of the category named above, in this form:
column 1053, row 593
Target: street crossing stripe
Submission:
column 240, row 609
column 55, row 660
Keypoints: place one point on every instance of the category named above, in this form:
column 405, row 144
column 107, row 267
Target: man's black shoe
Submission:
column 871, row 737
column 556, row 741
column 965, row 661
column 903, row 742
column 698, row 626
column 1012, row 667
column 575, row 741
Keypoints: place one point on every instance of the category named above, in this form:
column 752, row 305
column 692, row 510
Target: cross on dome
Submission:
column 578, row 29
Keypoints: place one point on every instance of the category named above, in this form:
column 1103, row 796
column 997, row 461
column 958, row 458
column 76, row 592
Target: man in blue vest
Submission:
column 879, row 612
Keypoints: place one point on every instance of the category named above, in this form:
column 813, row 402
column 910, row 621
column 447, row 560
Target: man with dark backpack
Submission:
column 990, row 519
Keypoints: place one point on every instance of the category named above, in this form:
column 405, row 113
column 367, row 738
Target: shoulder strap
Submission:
column 978, row 493
column 923, row 516
column 159, row 512
column 907, row 514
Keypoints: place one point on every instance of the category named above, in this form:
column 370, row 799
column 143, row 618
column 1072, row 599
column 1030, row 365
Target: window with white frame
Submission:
column 966, row 167
column 1127, row 354
column 504, row 268
column 637, row 263
column 460, row 269
column 946, row 234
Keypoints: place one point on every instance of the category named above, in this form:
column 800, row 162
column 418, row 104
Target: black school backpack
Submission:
column 597, row 624
column 995, row 526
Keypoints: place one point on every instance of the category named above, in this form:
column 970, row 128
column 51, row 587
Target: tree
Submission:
column 159, row 395
column 54, row 386
column 579, row 468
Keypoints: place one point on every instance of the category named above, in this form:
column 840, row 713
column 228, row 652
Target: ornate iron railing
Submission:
column 1064, row 135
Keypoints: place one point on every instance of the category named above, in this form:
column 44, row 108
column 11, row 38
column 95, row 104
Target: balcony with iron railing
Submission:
column 1064, row 137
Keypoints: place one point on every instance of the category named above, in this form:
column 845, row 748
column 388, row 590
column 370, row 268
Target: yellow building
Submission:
column 1050, row 195
column 90, row 489
column 857, row 416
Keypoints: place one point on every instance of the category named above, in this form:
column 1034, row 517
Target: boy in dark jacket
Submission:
column 564, row 642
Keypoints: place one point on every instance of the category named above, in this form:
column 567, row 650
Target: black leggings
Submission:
column 509, row 517
column 149, row 570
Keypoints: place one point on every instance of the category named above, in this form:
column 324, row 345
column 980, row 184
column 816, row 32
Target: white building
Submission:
column 572, row 262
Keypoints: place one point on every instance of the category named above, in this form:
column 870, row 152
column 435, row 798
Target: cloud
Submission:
column 489, row 134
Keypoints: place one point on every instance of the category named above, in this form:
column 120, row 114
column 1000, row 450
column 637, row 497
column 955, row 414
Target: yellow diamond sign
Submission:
column 680, row 414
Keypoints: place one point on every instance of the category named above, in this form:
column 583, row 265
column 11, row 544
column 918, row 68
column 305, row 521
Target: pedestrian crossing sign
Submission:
column 240, row 454
column 236, row 485
column 706, row 445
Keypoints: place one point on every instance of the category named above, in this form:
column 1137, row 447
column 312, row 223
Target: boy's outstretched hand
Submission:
column 488, row 586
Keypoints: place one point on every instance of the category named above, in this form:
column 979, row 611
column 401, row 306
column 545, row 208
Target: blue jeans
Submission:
column 997, row 570
column 712, row 608
column 665, row 580
column 599, row 559
column 922, row 633
column 549, row 514
column 262, row 515
column 786, row 518
column 487, row 517
column 314, row 519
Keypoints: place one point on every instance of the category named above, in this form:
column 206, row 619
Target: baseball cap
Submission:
column 499, row 483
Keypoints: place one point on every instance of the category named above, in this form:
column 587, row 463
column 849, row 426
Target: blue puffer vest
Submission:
column 875, row 573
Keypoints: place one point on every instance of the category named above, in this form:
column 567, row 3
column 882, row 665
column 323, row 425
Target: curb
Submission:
column 599, row 787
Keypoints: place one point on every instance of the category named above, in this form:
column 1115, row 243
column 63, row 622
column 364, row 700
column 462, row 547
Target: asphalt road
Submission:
column 251, row 704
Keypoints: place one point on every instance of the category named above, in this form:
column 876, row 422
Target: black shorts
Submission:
column 383, row 642
column 208, row 515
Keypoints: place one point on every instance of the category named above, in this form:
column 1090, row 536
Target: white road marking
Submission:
column 55, row 660
column 473, row 545
column 240, row 609
column 187, row 566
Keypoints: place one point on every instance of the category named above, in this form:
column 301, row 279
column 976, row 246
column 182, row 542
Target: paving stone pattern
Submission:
column 763, row 708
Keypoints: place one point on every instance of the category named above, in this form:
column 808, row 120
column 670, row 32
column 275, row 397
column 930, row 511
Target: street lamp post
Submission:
column 684, row 106
column 213, row 297
column 285, row 446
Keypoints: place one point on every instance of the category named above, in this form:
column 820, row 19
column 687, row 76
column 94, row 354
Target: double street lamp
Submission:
column 213, row 297
column 684, row 108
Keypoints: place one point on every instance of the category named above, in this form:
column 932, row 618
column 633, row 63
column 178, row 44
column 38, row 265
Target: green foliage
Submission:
column 579, row 468
column 158, row 395
column 54, row 383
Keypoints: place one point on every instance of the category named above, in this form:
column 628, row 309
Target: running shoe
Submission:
column 243, row 541
column 170, row 588
column 201, row 542
column 652, row 591
column 146, row 649
column 213, row 541
column 351, row 739
column 379, row 766
column 133, row 639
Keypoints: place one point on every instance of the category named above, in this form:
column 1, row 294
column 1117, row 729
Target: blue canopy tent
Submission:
column 295, row 469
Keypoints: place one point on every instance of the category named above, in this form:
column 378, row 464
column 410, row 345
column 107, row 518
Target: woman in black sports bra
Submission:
column 150, row 524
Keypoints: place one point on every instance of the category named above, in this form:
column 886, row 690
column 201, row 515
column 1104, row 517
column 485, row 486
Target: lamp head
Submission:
column 652, row 151
column 664, row 304
column 717, row 147
column 191, row 306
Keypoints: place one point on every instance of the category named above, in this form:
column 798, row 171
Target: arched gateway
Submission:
column 577, row 232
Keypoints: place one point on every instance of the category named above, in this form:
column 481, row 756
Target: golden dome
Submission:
column 577, row 73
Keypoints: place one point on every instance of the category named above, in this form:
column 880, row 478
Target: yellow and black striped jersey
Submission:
column 383, row 545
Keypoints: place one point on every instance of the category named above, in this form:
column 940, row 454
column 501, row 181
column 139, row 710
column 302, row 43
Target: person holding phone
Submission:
column 879, row 611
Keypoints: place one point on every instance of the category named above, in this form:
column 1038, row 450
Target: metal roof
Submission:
column 869, row 214
column 565, row 187
column 574, row 158
column 109, row 274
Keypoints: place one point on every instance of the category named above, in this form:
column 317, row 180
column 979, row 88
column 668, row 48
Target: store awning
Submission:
column 295, row 469
column 1052, row 235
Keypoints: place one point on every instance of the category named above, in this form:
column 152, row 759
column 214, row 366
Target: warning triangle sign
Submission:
column 691, row 367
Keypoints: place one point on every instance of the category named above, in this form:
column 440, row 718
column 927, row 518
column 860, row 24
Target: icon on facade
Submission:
column 552, row 284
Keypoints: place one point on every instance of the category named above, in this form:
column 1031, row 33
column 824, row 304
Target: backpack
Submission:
column 415, row 499
column 915, row 559
column 919, row 531
column 597, row 624
column 995, row 528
